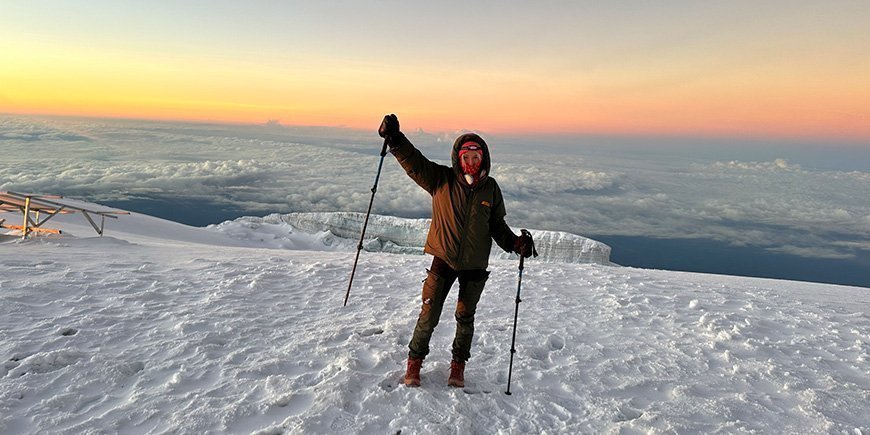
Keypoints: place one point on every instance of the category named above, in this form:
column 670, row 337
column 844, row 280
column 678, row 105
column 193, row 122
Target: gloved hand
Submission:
column 524, row 245
column 389, row 127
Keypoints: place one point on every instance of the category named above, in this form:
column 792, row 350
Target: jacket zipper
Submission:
column 468, row 208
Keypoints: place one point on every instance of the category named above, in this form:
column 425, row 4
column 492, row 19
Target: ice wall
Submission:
column 407, row 236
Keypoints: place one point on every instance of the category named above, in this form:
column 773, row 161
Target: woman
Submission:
column 467, row 215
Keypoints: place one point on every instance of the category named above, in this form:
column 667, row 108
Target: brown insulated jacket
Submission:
column 465, row 220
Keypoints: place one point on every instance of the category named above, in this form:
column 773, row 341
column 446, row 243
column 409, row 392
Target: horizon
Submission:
column 545, row 138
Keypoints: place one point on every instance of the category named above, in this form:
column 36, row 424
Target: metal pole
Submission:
column 516, row 313
column 26, row 217
column 366, row 223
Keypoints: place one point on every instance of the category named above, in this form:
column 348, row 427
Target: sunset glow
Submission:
column 572, row 70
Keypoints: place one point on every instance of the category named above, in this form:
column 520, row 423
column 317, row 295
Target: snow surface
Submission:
column 162, row 328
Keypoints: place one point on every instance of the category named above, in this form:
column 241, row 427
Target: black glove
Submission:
column 524, row 245
column 389, row 127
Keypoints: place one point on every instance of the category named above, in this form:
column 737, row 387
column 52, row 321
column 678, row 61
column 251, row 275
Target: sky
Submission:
column 774, row 69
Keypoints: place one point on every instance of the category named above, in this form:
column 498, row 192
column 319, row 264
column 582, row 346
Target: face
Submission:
column 471, row 159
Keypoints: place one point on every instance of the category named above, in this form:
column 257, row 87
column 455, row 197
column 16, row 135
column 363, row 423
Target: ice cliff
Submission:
column 341, row 230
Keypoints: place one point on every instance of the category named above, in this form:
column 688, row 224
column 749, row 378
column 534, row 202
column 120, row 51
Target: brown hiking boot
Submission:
column 457, row 374
column 412, row 376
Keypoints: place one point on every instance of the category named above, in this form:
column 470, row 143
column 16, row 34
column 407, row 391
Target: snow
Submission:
column 161, row 328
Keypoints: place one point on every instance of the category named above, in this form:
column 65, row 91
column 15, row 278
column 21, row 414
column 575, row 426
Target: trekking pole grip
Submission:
column 384, row 149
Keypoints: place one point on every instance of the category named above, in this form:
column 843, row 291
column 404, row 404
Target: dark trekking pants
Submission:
column 438, row 282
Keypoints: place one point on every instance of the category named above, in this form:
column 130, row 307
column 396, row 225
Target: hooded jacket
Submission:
column 465, row 219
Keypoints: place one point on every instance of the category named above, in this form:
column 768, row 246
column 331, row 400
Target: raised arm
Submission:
column 426, row 173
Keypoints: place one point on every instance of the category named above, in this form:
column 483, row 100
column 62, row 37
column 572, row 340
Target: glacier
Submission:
column 341, row 231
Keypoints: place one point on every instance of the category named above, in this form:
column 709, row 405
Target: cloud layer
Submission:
column 775, row 204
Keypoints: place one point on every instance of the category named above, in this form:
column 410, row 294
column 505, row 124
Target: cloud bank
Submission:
column 775, row 205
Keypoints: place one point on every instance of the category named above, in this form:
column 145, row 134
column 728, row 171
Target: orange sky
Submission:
column 799, row 71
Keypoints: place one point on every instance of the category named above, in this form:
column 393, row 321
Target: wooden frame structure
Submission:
column 31, row 206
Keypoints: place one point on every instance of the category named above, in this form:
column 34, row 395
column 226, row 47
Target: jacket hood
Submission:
column 454, row 156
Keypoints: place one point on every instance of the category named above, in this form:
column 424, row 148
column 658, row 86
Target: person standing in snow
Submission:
column 467, row 215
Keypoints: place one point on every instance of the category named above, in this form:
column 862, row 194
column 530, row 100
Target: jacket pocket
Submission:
column 483, row 209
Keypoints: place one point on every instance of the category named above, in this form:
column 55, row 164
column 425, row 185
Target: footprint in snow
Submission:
column 475, row 388
column 393, row 380
column 556, row 342
column 371, row 331
column 624, row 413
column 66, row 332
column 295, row 404
column 128, row 369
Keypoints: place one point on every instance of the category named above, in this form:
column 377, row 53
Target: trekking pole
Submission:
column 517, row 310
column 516, row 313
column 365, row 224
